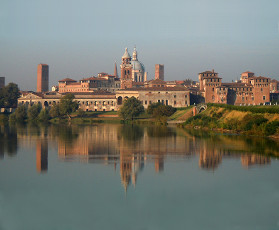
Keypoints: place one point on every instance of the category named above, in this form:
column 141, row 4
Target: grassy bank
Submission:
column 249, row 120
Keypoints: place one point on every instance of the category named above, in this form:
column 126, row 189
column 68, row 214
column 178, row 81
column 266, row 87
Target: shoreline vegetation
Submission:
column 222, row 118
column 244, row 120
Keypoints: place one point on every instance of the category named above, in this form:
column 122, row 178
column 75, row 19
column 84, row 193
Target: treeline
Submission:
column 133, row 108
column 252, row 109
column 35, row 112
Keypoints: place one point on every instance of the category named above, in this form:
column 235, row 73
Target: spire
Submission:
column 135, row 54
column 115, row 70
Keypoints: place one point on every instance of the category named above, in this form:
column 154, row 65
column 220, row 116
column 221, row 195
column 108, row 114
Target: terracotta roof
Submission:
column 211, row 77
column 236, row 85
column 247, row 72
column 94, row 79
column 67, row 80
column 157, row 81
column 96, row 92
column 138, row 83
column 260, row 77
column 175, row 88
column 208, row 72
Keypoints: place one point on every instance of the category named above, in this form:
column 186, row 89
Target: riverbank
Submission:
column 247, row 120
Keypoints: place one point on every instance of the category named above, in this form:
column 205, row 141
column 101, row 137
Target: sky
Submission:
column 82, row 38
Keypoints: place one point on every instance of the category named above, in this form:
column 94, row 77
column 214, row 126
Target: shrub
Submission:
column 271, row 128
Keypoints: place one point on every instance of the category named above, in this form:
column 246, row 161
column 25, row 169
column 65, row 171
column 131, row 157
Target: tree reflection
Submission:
column 8, row 140
column 131, row 132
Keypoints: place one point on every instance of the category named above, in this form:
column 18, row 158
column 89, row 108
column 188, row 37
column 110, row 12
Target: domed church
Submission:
column 131, row 70
column 138, row 71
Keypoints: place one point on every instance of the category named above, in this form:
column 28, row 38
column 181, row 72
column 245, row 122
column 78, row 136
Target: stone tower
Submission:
column 126, row 71
column 42, row 78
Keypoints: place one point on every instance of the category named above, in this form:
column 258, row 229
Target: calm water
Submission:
column 134, row 177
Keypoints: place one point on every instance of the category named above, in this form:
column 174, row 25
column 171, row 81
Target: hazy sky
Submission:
column 84, row 37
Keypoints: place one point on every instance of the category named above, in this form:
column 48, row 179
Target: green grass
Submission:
column 180, row 112
column 252, row 109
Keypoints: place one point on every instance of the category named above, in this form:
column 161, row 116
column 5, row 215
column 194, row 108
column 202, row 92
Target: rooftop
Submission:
column 67, row 80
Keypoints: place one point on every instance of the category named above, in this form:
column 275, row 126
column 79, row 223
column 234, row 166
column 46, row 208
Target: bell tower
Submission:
column 126, row 71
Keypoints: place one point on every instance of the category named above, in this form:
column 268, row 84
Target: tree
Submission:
column 9, row 95
column 67, row 105
column 44, row 115
column 131, row 108
column 80, row 113
column 20, row 113
column 33, row 112
column 54, row 111
column 158, row 109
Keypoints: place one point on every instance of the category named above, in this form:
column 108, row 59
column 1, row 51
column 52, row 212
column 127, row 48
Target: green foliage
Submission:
column 252, row 109
column 44, row 115
column 12, row 118
column 152, row 106
column 54, row 111
column 67, row 105
column 271, row 128
column 131, row 108
column 9, row 95
column 33, row 112
column 160, row 112
column 3, row 118
column 20, row 113
column 80, row 112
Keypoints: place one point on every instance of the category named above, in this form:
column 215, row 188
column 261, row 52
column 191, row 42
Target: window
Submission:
column 167, row 102
column 145, row 102
column 264, row 98
column 174, row 96
column 261, row 89
column 174, row 102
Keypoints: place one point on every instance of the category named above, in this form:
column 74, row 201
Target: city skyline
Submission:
column 81, row 39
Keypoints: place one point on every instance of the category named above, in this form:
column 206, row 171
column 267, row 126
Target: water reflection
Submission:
column 42, row 155
column 131, row 147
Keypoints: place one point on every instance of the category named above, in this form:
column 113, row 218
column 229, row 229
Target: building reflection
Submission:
column 132, row 147
column 210, row 158
column 42, row 155
column 249, row 160
column 159, row 163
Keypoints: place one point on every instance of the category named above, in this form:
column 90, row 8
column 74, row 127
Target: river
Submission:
column 113, row 176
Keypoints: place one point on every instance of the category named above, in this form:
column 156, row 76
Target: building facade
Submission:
column 42, row 78
column 91, row 84
column 174, row 96
column 251, row 90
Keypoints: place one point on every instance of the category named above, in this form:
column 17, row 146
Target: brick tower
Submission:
column 126, row 71
column 42, row 78
column 159, row 72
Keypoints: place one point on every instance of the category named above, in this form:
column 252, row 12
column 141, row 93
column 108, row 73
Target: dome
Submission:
column 126, row 54
column 137, row 66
